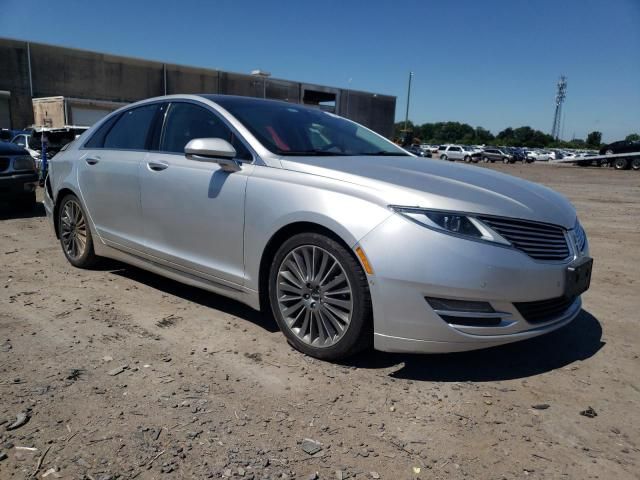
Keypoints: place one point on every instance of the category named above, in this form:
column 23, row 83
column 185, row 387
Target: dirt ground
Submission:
column 125, row 374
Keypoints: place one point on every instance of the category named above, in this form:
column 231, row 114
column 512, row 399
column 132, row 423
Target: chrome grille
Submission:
column 538, row 240
column 4, row 163
column 581, row 236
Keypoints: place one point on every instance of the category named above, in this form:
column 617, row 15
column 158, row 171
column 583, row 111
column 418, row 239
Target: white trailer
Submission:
column 619, row 161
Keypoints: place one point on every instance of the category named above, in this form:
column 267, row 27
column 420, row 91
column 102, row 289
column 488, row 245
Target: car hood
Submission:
column 426, row 183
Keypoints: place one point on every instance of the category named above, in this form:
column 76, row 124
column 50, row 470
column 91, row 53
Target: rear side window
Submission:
column 97, row 139
column 186, row 121
column 131, row 130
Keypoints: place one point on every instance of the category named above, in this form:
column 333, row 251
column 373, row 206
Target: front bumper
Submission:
column 411, row 262
column 17, row 185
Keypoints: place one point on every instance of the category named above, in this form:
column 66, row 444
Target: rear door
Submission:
column 108, row 175
column 193, row 210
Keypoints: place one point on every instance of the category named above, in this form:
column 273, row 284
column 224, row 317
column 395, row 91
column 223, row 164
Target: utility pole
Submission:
column 561, row 94
column 406, row 117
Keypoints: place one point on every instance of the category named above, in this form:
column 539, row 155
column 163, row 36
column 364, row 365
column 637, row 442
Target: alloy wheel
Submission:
column 315, row 297
column 73, row 229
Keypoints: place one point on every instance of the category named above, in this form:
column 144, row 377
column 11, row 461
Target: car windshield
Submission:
column 294, row 130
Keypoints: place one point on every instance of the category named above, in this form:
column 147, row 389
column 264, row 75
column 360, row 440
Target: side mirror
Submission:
column 215, row 150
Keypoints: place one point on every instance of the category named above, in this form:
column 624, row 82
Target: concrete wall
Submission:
column 57, row 71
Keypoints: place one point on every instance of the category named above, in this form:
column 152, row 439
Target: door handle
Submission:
column 157, row 166
column 92, row 160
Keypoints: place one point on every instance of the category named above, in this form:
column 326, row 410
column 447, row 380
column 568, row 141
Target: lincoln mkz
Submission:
column 349, row 240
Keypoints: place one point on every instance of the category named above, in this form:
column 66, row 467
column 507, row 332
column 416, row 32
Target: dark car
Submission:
column 623, row 146
column 492, row 154
column 518, row 155
column 418, row 151
column 18, row 176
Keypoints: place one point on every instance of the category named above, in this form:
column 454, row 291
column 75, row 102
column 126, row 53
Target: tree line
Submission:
column 465, row 134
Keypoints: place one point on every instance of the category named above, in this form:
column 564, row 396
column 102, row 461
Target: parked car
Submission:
column 518, row 155
column 538, row 156
column 418, row 151
column 18, row 176
column 55, row 138
column 345, row 237
column 460, row 152
column 623, row 146
column 32, row 145
column 495, row 154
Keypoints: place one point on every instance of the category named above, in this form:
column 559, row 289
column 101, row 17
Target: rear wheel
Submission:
column 635, row 164
column 621, row 164
column 75, row 235
column 443, row 157
column 320, row 297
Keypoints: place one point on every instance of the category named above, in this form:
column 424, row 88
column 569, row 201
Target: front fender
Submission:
column 276, row 198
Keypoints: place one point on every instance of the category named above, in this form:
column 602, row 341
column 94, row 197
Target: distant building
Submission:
column 95, row 83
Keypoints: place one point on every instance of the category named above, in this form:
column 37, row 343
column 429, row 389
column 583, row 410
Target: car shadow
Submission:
column 577, row 341
column 8, row 212
column 189, row 293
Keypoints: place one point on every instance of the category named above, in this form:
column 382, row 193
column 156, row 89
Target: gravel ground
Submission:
column 120, row 373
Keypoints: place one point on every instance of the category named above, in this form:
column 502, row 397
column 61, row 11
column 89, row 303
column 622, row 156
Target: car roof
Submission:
column 239, row 100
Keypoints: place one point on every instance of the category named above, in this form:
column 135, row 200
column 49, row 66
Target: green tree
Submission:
column 594, row 139
column 633, row 137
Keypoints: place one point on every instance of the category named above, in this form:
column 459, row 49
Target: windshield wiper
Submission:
column 311, row 153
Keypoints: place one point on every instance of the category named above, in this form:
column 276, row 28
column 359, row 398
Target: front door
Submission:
column 193, row 211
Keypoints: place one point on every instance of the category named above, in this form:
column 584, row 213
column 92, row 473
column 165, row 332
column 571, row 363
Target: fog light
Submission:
column 445, row 304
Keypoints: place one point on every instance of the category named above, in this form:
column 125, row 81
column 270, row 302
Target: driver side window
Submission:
column 186, row 121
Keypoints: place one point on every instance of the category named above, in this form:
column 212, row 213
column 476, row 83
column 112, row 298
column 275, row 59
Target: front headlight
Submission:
column 454, row 223
column 24, row 163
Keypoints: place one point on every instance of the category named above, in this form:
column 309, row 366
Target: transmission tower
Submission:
column 560, row 96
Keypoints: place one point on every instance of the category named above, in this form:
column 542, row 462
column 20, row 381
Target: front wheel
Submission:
column 467, row 159
column 505, row 160
column 485, row 159
column 75, row 235
column 635, row 164
column 320, row 297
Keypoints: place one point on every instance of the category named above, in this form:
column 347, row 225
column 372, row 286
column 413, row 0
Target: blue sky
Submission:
column 490, row 63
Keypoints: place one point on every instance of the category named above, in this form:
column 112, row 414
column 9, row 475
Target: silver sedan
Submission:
column 347, row 239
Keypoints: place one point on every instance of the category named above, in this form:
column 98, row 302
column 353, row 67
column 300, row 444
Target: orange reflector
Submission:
column 365, row 261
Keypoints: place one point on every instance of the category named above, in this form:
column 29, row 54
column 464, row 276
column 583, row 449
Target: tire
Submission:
column 635, row 163
column 302, row 324
column 485, row 159
column 443, row 157
column 467, row 159
column 75, row 235
column 505, row 160
column 621, row 163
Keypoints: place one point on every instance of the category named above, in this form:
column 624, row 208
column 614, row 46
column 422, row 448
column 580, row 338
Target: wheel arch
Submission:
column 277, row 239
